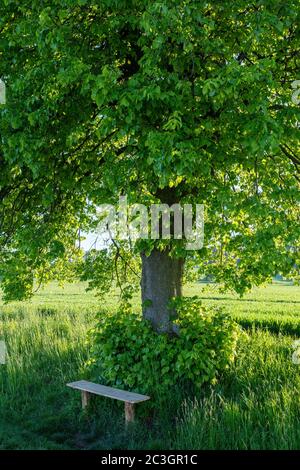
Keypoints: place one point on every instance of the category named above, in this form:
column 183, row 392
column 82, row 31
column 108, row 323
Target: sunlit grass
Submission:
column 254, row 405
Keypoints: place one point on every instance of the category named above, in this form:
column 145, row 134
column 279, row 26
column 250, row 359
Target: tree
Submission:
column 169, row 101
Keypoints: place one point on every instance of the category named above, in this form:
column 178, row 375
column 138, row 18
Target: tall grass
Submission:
column 44, row 352
column 255, row 404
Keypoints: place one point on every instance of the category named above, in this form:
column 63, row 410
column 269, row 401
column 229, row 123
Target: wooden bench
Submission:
column 89, row 388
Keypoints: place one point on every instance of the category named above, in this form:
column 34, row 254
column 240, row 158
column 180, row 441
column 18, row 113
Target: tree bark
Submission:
column 161, row 280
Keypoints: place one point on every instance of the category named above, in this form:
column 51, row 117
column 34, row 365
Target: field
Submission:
column 255, row 404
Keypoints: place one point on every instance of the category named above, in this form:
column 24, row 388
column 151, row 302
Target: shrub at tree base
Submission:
column 128, row 354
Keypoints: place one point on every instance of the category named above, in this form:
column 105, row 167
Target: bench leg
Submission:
column 129, row 413
column 85, row 397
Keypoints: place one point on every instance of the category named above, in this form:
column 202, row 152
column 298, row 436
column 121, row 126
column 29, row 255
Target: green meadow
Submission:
column 254, row 405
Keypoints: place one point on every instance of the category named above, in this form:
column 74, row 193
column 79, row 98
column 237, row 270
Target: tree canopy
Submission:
column 167, row 101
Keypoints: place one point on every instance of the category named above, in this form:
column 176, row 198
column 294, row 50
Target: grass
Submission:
column 255, row 404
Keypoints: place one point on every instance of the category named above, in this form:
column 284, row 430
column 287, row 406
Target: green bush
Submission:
column 127, row 353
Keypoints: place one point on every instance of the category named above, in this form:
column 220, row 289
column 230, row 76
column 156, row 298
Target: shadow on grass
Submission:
column 255, row 405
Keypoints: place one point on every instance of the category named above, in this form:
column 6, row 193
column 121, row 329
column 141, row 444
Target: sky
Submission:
column 93, row 240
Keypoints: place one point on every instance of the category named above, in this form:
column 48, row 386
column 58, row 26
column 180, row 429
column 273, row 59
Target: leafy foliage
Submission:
column 110, row 267
column 128, row 353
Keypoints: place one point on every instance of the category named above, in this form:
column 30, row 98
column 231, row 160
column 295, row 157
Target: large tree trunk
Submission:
column 161, row 280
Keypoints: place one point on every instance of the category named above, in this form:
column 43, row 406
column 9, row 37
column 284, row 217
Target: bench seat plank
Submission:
column 109, row 392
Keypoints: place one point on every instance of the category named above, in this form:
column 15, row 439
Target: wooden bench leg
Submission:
column 129, row 413
column 85, row 397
